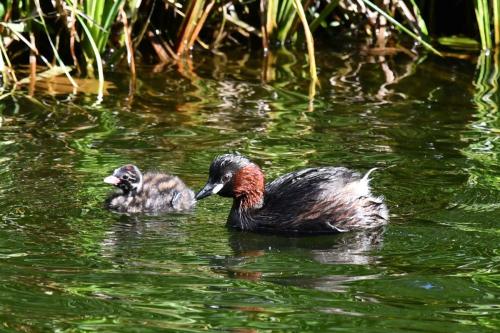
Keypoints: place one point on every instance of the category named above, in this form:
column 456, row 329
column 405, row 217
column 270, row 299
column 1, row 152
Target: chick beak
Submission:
column 112, row 180
column 208, row 190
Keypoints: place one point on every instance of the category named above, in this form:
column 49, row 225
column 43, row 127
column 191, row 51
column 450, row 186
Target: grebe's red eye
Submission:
column 226, row 178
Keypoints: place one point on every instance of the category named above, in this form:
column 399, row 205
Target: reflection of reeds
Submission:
column 346, row 76
column 486, row 98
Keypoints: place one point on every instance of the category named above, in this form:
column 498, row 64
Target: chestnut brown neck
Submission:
column 248, row 187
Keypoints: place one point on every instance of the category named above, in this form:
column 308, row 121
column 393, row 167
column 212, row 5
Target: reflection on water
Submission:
column 430, row 124
column 352, row 248
column 486, row 124
column 349, row 249
column 128, row 232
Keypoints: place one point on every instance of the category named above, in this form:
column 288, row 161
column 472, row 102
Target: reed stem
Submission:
column 496, row 21
column 310, row 43
column 402, row 27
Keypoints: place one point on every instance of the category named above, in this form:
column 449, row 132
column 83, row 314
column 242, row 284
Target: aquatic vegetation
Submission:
column 78, row 37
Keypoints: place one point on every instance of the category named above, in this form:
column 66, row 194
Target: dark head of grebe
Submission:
column 309, row 201
column 151, row 192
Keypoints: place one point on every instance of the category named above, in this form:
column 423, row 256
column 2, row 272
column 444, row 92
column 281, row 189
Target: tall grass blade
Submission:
column 193, row 13
column 483, row 23
column 32, row 60
column 145, row 23
column 100, row 15
column 97, row 56
column 401, row 27
column 285, row 20
column 200, row 24
column 496, row 21
column 54, row 49
column 3, row 68
column 128, row 42
column 263, row 25
column 136, row 37
column 73, row 37
column 271, row 20
column 111, row 15
column 479, row 20
column 310, row 46
column 421, row 22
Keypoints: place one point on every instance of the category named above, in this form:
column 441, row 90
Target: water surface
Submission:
column 431, row 125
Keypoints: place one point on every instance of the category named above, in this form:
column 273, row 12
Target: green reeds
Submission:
column 99, row 16
column 420, row 20
column 171, row 28
column 310, row 47
column 483, row 22
column 278, row 24
column 97, row 57
column 496, row 21
column 280, row 18
column 96, row 18
column 277, row 19
column 483, row 9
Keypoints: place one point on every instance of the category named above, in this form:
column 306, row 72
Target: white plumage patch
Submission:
column 217, row 188
column 359, row 188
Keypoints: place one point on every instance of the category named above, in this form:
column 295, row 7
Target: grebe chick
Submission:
column 153, row 192
column 310, row 201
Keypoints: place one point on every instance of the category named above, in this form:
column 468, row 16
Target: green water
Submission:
column 431, row 125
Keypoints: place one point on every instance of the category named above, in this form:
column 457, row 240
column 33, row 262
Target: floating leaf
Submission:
column 461, row 43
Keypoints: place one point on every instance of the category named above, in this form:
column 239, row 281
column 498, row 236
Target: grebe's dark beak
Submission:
column 208, row 190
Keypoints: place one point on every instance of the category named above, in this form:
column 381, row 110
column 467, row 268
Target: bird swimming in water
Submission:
column 151, row 192
column 309, row 201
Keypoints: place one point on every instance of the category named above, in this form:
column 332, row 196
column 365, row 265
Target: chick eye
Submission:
column 124, row 177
